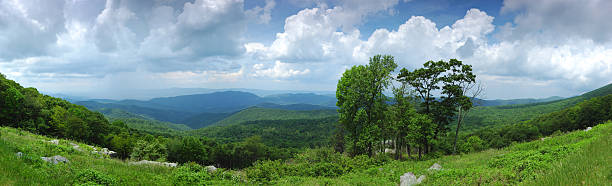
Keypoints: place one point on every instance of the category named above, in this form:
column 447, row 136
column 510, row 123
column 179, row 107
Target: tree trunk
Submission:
column 460, row 117
column 420, row 149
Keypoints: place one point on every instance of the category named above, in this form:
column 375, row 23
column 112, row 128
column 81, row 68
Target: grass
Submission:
column 31, row 170
column 591, row 166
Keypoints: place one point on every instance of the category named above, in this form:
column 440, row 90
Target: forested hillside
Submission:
column 256, row 114
column 509, row 114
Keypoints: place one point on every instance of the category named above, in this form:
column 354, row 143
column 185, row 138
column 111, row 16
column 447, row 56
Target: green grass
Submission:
column 31, row 170
column 591, row 166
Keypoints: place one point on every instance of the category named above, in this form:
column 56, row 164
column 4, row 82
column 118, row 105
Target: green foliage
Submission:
column 296, row 133
column 93, row 177
column 190, row 174
column 149, row 150
column 362, row 102
column 473, row 143
column 260, row 114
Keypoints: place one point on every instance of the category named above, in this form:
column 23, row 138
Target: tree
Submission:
column 444, row 79
column 474, row 89
column 362, row 103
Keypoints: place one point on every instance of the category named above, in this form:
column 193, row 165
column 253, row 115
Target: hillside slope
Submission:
column 509, row 114
column 256, row 114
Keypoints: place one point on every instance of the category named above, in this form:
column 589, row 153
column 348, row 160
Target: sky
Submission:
column 101, row 48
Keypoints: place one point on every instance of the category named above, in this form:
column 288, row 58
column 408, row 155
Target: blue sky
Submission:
column 104, row 48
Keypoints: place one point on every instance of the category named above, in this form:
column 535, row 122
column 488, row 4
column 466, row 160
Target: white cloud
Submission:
column 279, row 70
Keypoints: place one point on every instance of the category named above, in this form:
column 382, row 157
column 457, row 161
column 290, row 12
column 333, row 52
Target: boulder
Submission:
column 588, row 128
column 147, row 162
column 55, row 159
column 55, row 141
column 410, row 179
column 391, row 151
column 211, row 168
column 435, row 166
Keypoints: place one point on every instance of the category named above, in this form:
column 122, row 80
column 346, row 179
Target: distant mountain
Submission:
column 217, row 102
column 205, row 119
column 141, row 122
column 306, row 98
column 498, row 102
column 200, row 110
column 257, row 114
column 299, row 106
column 173, row 116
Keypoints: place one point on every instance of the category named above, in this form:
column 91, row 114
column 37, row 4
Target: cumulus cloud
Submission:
column 279, row 70
column 313, row 34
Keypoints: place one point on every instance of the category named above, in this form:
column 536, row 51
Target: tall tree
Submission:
column 362, row 102
column 443, row 79
column 473, row 91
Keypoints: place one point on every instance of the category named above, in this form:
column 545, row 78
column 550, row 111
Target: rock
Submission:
column 147, row 162
column 19, row 154
column 55, row 141
column 392, row 151
column 410, row 179
column 588, row 128
column 211, row 168
column 55, row 159
column 435, row 166
column 76, row 147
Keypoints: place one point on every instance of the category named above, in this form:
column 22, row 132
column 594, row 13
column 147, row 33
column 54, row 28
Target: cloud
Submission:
column 279, row 70
column 262, row 14
column 313, row 34
column 26, row 30
column 555, row 20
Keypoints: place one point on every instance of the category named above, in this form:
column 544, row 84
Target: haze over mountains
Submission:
column 204, row 109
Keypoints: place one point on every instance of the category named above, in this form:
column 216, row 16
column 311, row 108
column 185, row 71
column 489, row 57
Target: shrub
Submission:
column 190, row 174
column 93, row 177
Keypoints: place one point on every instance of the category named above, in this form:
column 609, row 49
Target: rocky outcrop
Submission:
column 410, row 179
column 147, row 162
column 55, row 159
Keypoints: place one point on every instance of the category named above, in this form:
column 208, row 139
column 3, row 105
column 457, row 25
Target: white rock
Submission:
column 143, row 162
column 588, row 128
column 19, row 154
column 55, row 159
column 55, row 141
column 435, row 166
column 211, row 168
column 392, row 151
column 410, row 179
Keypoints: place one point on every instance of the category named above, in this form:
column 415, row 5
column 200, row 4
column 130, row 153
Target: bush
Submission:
column 93, row 177
column 190, row 174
